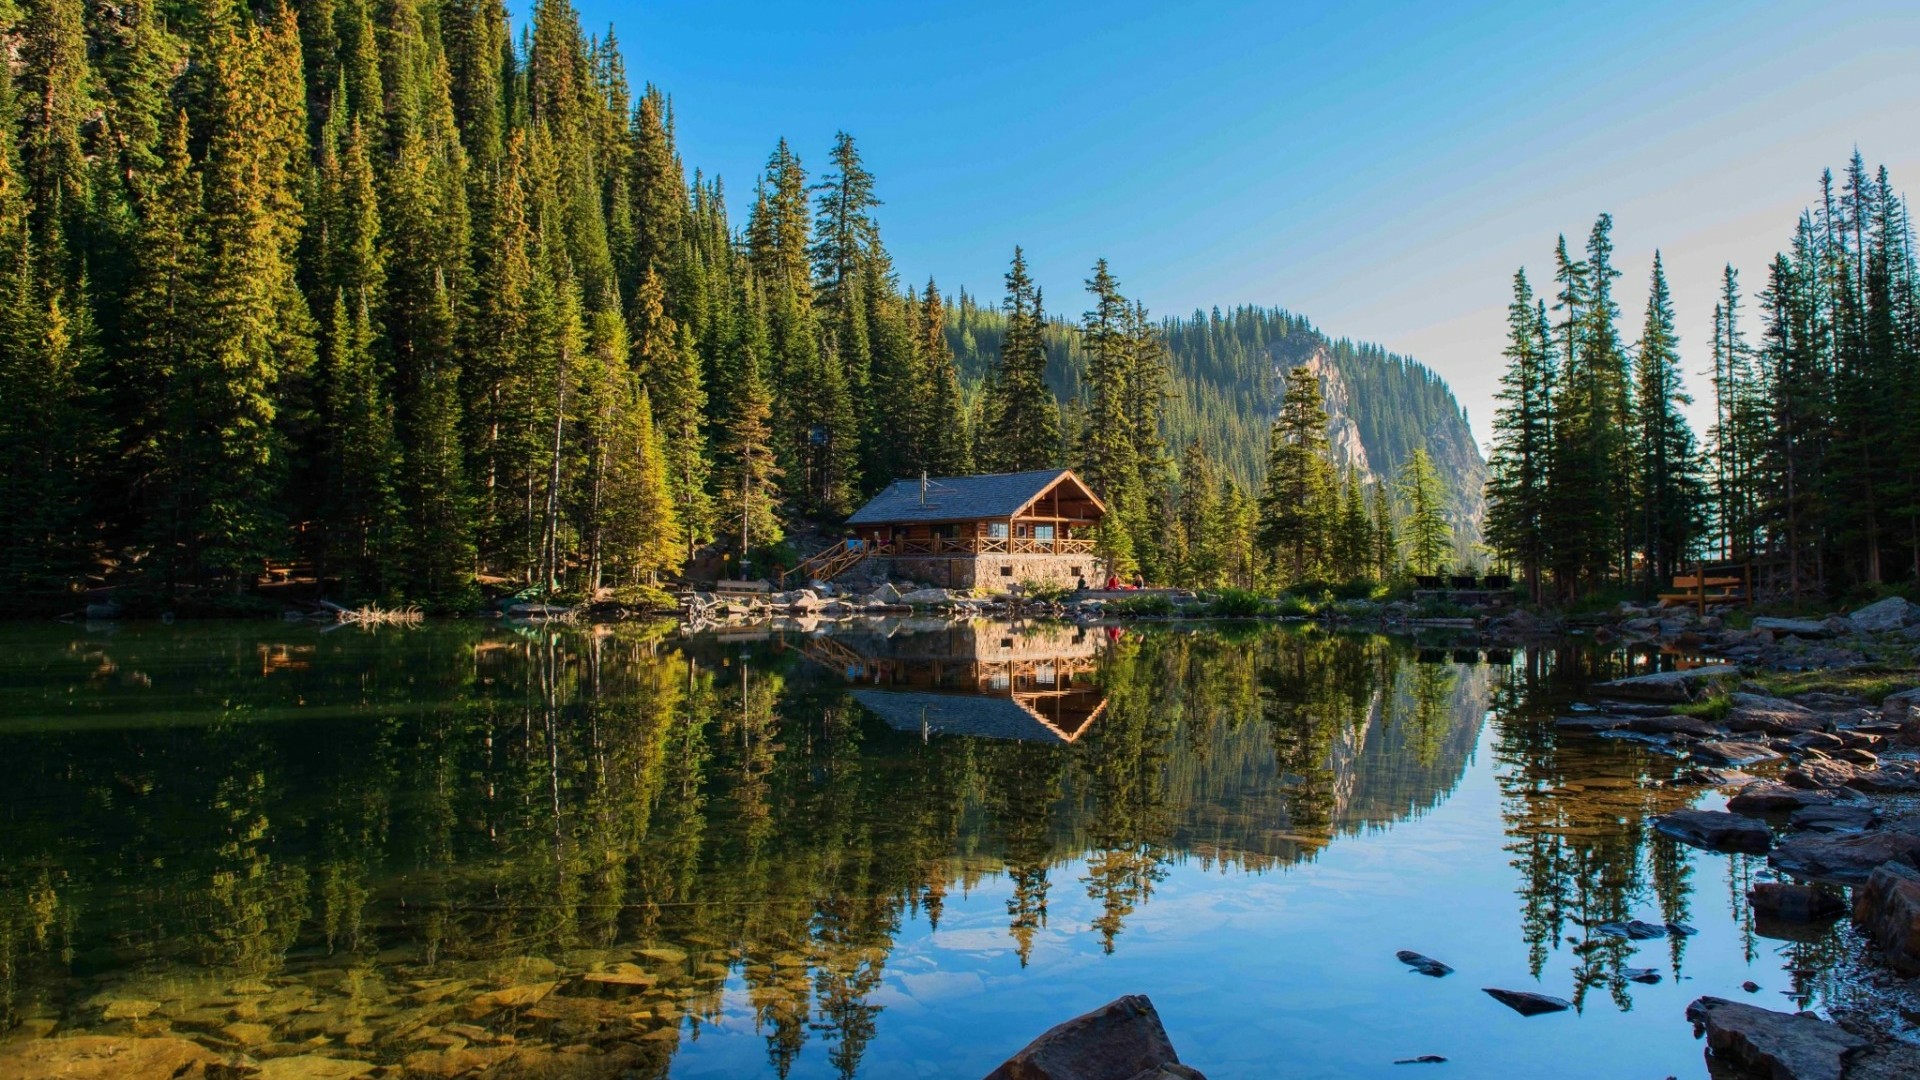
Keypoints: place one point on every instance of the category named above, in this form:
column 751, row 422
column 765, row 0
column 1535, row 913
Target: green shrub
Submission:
column 644, row 598
column 1296, row 605
column 1041, row 592
column 1156, row 605
column 1237, row 604
column 1713, row 708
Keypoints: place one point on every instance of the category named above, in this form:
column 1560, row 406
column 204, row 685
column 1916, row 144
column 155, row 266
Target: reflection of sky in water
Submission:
column 1293, row 972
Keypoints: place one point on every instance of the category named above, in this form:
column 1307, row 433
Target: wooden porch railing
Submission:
column 986, row 545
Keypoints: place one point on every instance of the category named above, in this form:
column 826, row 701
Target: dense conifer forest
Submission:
column 1810, row 471
column 378, row 291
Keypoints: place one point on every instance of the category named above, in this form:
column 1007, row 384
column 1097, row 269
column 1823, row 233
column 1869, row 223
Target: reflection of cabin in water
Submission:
column 964, row 532
column 1033, row 685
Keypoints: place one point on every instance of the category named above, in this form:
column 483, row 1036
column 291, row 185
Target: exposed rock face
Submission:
column 1667, row 685
column 1447, row 439
column 1844, row 858
column 104, row 1057
column 1770, row 1044
column 1716, row 830
column 1121, row 1040
column 1888, row 909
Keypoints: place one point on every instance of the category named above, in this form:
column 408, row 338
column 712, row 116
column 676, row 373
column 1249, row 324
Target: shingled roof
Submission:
column 958, row 498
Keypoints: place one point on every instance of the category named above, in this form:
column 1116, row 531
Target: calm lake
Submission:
column 898, row 852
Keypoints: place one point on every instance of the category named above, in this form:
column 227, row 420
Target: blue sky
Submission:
column 1379, row 168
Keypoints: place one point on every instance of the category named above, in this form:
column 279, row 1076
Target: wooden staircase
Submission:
column 827, row 564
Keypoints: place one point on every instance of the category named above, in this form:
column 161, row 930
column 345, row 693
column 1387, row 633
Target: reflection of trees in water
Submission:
column 475, row 798
column 1579, row 812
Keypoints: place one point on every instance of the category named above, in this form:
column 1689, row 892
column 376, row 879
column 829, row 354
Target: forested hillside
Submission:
column 385, row 295
column 1227, row 371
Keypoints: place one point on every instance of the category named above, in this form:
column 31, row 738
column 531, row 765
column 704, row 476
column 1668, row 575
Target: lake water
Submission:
column 900, row 852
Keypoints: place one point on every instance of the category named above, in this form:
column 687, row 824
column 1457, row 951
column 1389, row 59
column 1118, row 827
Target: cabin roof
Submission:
column 963, row 498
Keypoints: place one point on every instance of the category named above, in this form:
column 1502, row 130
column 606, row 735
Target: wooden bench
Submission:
column 1715, row 586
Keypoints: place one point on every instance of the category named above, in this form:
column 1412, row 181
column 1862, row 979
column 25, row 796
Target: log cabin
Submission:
column 988, row 532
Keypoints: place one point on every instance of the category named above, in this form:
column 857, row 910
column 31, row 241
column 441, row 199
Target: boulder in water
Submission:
column 1716, row 830
column 1120, row 1040
column 1425, row 965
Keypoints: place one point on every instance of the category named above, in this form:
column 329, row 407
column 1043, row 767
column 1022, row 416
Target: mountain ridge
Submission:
column 1228, row 368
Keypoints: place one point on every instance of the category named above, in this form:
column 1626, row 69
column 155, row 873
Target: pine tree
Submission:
column 749, row 495
column 943, row 445
column 1294, row 518
column 1020, row 418
column 1428, row 537
column 1520, row 501
column 1668, row 485
column 255, row 329
column 670, row 370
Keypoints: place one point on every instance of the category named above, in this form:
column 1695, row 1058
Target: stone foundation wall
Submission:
column 993, row 573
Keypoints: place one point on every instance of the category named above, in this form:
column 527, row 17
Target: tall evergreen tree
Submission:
column 1520, row 501
column 1668, row 487
column 1294, row 509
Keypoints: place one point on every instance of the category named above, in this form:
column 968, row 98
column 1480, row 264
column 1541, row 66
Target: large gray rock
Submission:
column 1733, row 752
column 1771, row 797
column 1667, row 685
column 1884, row 615
column 1779, row 628
column 1819, row 774
column 1903, row 708
column 1779, row 1046
column 926, row 596
column 1799, row 903
column 1775, row 716
column 1716, row 830
column 1120, row 1040
column 1844, row 858
column 1887, row 907
column 1888, row 778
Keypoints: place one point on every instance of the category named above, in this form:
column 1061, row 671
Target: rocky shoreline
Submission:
column 1825, row 784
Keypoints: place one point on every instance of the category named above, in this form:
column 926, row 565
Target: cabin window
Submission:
column 1076, row 572
column 997, row 530
column 1020, row 531
column 1043, row 532
column 1006, row 571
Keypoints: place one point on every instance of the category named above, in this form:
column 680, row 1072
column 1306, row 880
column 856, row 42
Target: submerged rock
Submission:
column 1633, row 929
column 1844, row 858
column 1526, row 1002
column 1425, row 965
column 1647, row 976
column 1120, row 1040
column 1423, row 1059
column 1888, row 909
column 104, row 1057
column 1716, row 830
column 1771, row 1044
column 1835, row 818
